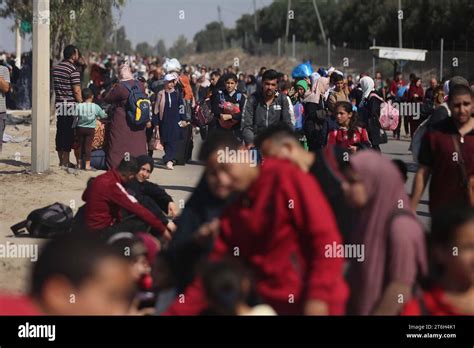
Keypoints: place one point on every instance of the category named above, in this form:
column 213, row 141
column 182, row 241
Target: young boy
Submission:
column 87, row 113
column 227, row 105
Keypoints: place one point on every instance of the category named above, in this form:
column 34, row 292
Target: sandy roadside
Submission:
column 21, row 192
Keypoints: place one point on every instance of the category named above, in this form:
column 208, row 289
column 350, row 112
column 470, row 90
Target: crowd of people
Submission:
column 320, row 225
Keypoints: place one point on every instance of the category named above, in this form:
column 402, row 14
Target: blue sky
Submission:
column 150, row 20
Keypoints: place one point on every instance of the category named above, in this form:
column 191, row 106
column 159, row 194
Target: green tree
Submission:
column 160, row 48
column 144, row 49
column 180, row 48
column 84, row 22
column 122, row 44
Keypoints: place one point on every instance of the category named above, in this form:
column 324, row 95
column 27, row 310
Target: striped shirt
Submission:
column 65, row 76
column 4, row 74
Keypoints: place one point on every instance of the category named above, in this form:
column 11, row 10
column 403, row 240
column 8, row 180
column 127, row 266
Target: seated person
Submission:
column 105, row 198
column 150, row 194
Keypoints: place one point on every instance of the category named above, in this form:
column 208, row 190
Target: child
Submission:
column 228, row 290
column 451, row 291
column 347, row 134
column 227, row 106
column 170, row 108
column 87, row 113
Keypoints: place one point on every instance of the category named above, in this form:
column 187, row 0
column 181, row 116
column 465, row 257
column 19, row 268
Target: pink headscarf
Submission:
column 386, row 192
column 125, row 74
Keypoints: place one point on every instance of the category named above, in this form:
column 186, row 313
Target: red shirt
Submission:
column 280, row 227
column 340, row 137
column 438, row 153
column 105, row 196
column 434, row 303
column 17, row 305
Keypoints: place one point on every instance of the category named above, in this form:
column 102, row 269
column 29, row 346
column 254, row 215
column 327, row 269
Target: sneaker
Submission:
column 169, row 165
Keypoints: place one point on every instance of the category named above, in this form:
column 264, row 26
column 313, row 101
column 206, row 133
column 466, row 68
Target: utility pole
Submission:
column 41, row 75
column 17, row 44
column 400, row 36
column 287, row 30
column 222, row 27
column 400, row 18
column 319, row 21
column 255, row 16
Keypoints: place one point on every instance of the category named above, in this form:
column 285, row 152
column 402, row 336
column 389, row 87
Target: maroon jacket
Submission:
column 281, row 227
column 105, row 196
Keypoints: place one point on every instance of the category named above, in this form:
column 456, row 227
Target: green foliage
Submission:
column 160, row 48
column 180, row 48
column 144, row 49
column 354, row 22
column 86, row 23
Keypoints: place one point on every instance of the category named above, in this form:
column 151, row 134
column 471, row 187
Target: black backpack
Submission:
column 46, row 222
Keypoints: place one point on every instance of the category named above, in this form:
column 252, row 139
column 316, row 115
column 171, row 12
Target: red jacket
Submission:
column 105, row 196
column 432, row 302
column 280, row 227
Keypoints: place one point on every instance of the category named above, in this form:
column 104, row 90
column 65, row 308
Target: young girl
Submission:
column 347, row 134
column 451, row 291
column 170, row 108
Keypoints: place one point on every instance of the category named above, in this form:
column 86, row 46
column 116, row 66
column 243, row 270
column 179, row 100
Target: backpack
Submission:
column 389, row 115
column 202, row 114
column 47, row 222
column 138, row 105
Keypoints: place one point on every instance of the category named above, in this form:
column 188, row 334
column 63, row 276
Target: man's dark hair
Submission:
column 277, row 131
column 215, row 73
column 457, row 80
column 87, row 93
column 269, row 75
column 230, row 76
column 217, row 140
column 446, row 221
column 73, row 257
column 458, row 90
column 335, row 77
column 284, row 85
column 69, row 51
column 128, row 166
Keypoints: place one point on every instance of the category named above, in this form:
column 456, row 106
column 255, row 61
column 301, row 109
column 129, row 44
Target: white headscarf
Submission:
column 367, row 85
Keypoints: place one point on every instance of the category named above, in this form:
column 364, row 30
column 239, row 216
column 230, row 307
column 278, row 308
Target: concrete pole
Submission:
column 329, row 52
column 18, row 45
column 41, row 76
column 279, row 47
column 294, row 46
column 441, row 54
column 373, row 60
column 320, row 22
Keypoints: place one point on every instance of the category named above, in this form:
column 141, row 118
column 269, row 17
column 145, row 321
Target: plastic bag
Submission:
column 302, row 70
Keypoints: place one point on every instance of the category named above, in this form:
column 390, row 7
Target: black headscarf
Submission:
column 144, row 159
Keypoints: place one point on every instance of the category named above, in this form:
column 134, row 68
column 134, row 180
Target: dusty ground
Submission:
column 21, row 192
